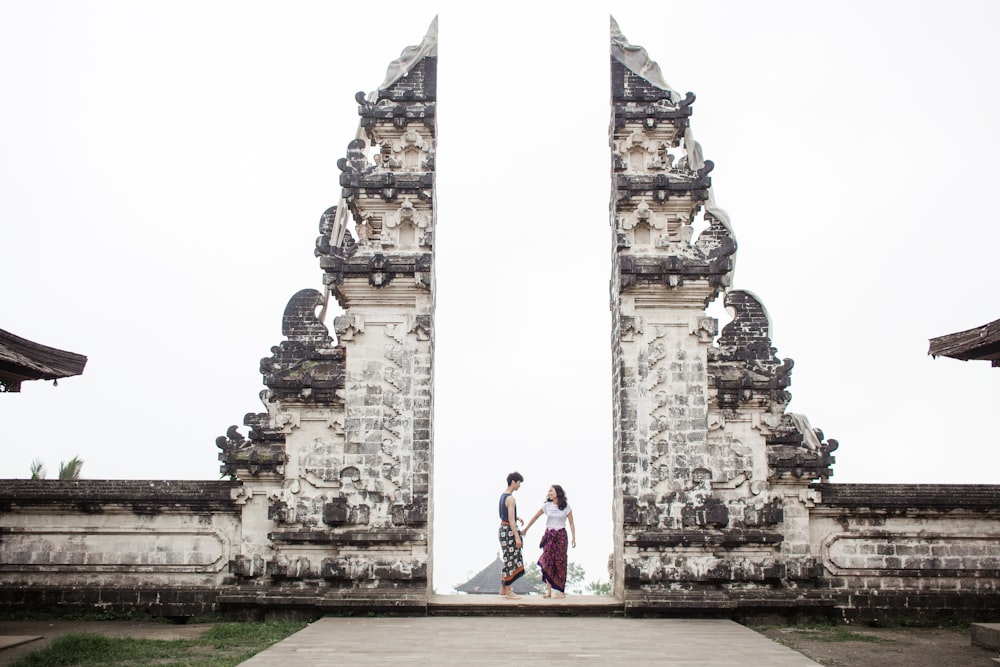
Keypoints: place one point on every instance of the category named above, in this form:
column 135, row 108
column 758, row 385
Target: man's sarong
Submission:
column 553, row 560
column 513, row 562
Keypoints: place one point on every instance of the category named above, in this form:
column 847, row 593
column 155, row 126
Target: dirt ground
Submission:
column 852, row 646
column 846, row 646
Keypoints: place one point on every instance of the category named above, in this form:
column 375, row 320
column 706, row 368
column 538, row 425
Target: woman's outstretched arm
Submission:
column 533, row 519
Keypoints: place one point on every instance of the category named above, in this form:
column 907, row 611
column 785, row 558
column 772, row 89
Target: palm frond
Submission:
column 71, row 469
column 38, row 469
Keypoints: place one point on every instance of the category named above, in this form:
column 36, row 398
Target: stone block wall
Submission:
column 163, row 547
column 920, row 552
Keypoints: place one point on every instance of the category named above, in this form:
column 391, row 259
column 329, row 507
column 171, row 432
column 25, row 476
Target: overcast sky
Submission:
column 163, row 168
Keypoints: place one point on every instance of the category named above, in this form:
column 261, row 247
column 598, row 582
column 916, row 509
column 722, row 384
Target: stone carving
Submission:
column 405, row 227
column 308, row 365
column 647, row 256
column 645, row 149
column 347, row 326
column 411, row 149
column 380, row 271
column 407, row 213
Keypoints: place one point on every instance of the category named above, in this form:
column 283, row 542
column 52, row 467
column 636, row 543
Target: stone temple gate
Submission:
column 722, row 499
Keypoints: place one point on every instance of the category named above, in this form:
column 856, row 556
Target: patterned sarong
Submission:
column 513, row 562
column 553, row 560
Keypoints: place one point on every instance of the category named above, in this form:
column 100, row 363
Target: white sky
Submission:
column 163, row 167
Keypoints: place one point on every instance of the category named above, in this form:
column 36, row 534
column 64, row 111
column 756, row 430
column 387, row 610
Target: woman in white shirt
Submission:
column 554, row 543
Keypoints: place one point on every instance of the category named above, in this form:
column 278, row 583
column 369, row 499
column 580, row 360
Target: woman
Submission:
column 553, row 544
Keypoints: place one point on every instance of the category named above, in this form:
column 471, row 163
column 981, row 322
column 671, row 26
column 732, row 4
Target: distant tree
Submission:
column 67, row 469
column 38, row 469
column 599, row 588
column 71, row 469
column 533, row 575
column 575, row 574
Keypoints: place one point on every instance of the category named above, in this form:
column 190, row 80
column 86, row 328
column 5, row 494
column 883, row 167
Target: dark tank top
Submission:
column 503, row 508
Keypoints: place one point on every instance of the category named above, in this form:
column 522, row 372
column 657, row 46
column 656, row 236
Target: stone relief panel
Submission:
column 910, row 553
column 108, row 550
column 406, row 228
column 321, row 457
column 647, row 227
column 642, row 150
column 408, row 150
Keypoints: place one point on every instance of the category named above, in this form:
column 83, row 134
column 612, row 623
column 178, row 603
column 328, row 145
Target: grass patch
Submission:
column 820, row 632
column 223, row 645
column 836, row 633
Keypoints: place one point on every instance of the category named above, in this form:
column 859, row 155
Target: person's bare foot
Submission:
column 512, row 596
column 547, row 595
column 560, row 596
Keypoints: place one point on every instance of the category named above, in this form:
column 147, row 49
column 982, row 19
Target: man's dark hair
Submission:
column 514, row 477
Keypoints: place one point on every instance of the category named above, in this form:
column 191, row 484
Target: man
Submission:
column 510, row 538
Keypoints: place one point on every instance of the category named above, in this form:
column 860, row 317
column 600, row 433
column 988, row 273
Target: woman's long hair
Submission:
column 560, row 496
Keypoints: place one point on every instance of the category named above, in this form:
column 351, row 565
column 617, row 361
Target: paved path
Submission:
column 441, row 641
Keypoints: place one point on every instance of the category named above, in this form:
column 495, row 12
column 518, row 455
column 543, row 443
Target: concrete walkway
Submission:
column 521, row 641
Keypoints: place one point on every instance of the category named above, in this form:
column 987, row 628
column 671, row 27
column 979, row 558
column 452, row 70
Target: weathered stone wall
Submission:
column 923, row 552
column 155, row 546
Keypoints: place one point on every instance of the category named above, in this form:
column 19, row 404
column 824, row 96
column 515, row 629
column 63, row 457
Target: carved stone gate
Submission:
column 337, row 473
column 711, row 474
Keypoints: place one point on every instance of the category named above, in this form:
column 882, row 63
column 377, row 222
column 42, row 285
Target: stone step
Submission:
column 528, row 605
column 986, row 635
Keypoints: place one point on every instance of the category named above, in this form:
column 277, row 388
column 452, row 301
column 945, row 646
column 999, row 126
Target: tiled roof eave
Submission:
column 978, row 343
column 31, row 360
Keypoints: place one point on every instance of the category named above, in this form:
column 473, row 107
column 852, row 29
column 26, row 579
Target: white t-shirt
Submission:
column 555, row 518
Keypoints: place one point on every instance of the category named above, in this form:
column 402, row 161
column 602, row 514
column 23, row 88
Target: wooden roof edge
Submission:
column 49, row 363
column 970, row 344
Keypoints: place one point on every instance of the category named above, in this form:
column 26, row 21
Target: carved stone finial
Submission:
column 309, row 365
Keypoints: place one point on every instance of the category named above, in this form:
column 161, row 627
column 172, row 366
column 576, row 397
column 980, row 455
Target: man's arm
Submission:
column 511, row 513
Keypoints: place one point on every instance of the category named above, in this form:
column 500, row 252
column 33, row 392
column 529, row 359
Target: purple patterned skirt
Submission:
column 553, row 560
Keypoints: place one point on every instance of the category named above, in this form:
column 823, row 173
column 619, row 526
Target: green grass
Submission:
column 818, row 632
column 223, row 645
column 834, row 633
